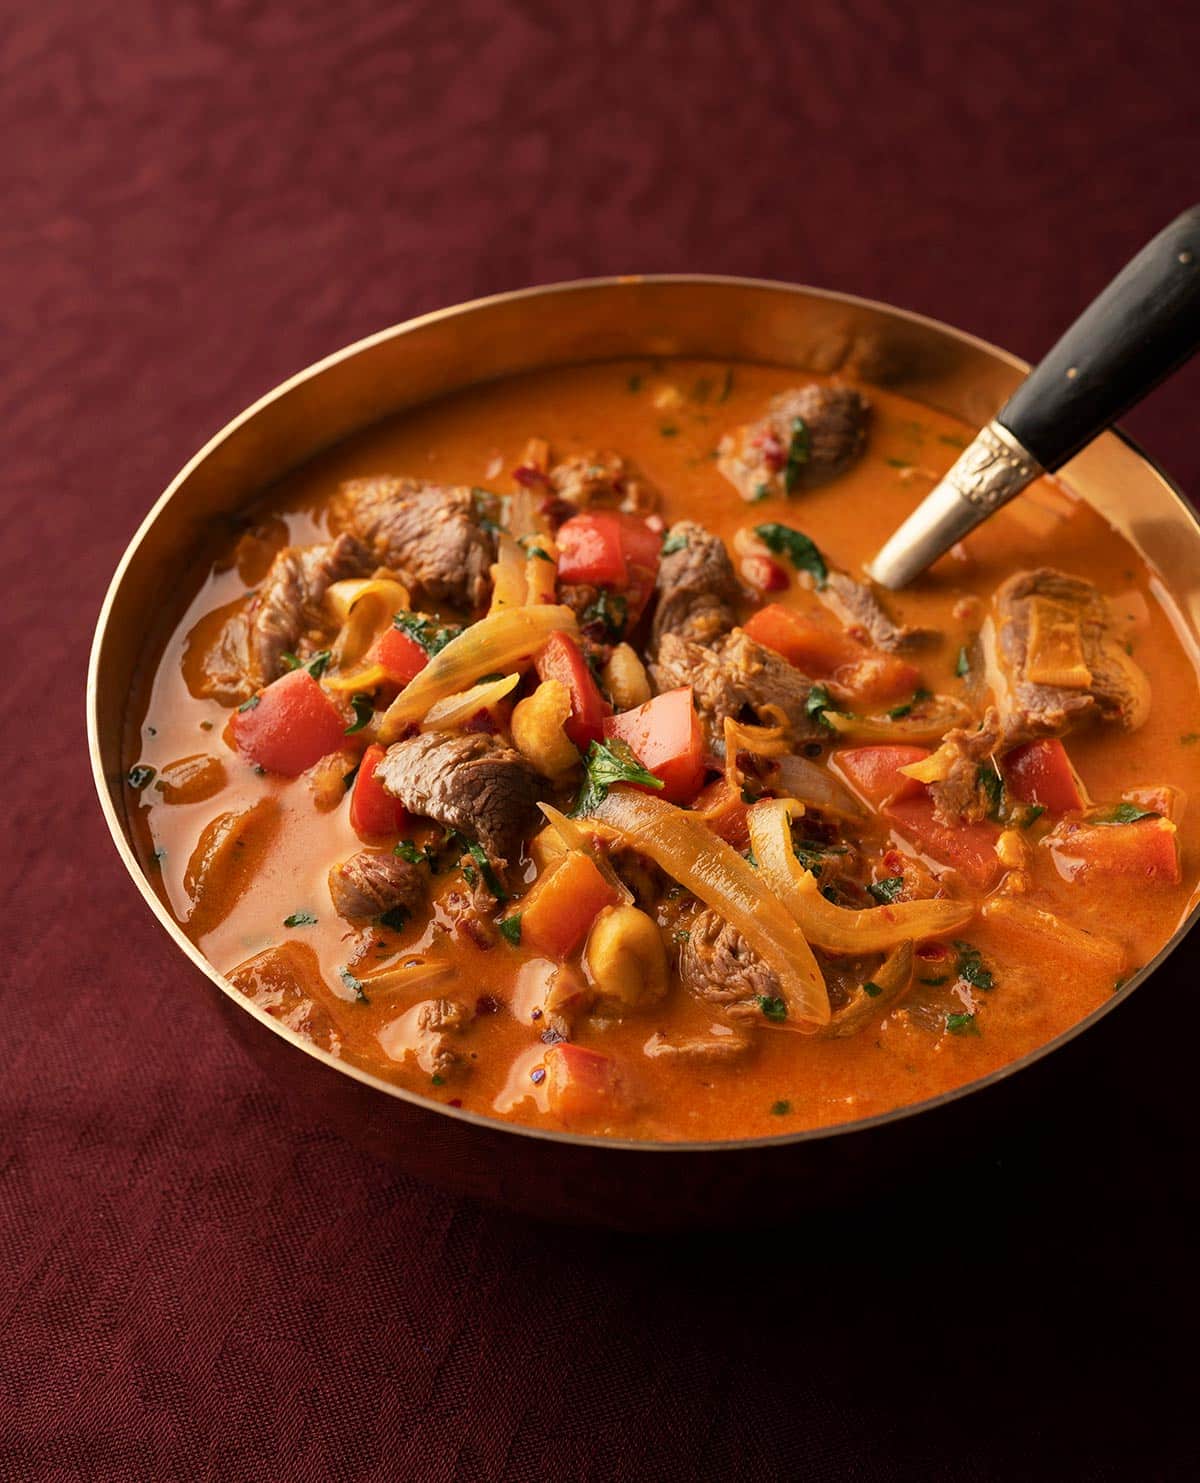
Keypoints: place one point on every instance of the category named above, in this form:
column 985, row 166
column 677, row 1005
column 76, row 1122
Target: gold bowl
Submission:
column 618, row 1182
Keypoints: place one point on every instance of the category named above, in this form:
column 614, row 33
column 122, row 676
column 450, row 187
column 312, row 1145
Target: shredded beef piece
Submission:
column 423, row 1034
column 587, row 480
column 700, row 1050
column 1116, row 688
column 697, row 590
column 857, row 604
column 756, row 458
column 285, row 615
column 735, row 677
column 959, row 795
column 466, row 781
column 718, row 965
column 430, row 535
column 375, row 881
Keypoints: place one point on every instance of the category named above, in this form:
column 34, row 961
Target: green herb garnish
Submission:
column 887, row 890
column 248, row 705
column 796, row 546
column 352, row 983
column 436, row 1080
column 610, row 610
column 872, row 990
column 898, row 712
column 774, row 1008
column 414, row 854
column 363, row 711
column 674, row 543
column 963, row 667
column 817, row 703
column 316, row 666
column 962, row 1024
column 431, row 635
column 797, row 455
column 139, row 777
column 1125, row 813
column 608, row 763
column 490, row 879
column 780, row 1109
column 300, row 919
column 1031, row 813
column 395, row 919
column 510, row 928
column 991, row 785
column 970, row 967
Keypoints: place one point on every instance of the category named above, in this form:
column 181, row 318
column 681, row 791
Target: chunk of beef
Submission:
column 425, row 1034
column 809, row 435
column 735, row 677
column 430, row 535
column 466, row 781
column 286, row 982
column 589, row 480
column 719, row 966
column 1055, row 660
column 697, row 590
column 964, row 754
column 375, row 881
column 285, row 615
column 722, row 1046
column 857, row 606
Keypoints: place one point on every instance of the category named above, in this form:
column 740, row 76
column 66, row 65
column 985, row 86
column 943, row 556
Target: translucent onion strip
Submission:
column 575, row 839
column 713, row 871
column 930, row 725
column 363, row 606
column 455, row 711
column 839, row 929
column 500, row 643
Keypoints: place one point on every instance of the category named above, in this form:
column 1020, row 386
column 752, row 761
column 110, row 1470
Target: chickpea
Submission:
column 537, row 729
column 625, row 960
column 625, row 678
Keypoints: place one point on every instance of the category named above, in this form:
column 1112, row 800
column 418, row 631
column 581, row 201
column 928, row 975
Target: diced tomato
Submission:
column 400, row 655
column 372, row 810
column 665, row 737
column 583, row 1085
column 859, row 673
column 763, row 573
column 1041, row 772
column 561, row 907
column 609, row 548
column 291, row 725
column 874, row 772
column 561, row 659
column 725, row 812
column 1148, row 849
column 969, row 848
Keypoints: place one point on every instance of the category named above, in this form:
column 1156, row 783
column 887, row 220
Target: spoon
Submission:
column 1143, row 326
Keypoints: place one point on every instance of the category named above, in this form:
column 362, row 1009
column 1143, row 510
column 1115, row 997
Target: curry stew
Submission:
column 546, row 752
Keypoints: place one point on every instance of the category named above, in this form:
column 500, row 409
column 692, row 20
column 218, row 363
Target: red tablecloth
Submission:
column 200, row 198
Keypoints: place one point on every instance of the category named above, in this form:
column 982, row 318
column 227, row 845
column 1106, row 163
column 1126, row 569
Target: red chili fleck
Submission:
column 932, row 952
column 772, row 450
column 527, row 475
column 454, row 1102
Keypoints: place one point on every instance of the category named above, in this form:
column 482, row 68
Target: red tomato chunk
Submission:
column 372, row 811
column 583, row 1085
column 665, row 737
column 860, row 673
column 874, row 772
column 291, row 725
column 609, row 548
column 562, row 660
column 1040, row 772
column 400, row 654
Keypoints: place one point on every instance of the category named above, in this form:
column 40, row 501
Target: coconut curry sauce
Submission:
column 817, row 851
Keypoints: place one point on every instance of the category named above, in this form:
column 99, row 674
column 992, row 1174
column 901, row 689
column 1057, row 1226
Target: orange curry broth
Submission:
column 466, row 439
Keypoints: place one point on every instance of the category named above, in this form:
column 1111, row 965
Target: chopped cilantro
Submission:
column 796, row 546
column 300, row 919
column 760, row 492
column 962, row 1024
column 608, row 763
column 432, row 636
column 872, row 990
column 316, row 666
column 1031, row 813
column 780, row 1109
column 774, row 1009
column 900, row 711
column 436, row 1080
column 887, row 890
column 363, row 711
column 610, row 610
column 414, row 854
column 797, row 455
column 395, row 918
column 510, row 928
column 1125, row 813
column 970, row 967
column 680, row 935
column 674, row 543
column 248, row 705
column 139, row 777
column 488, row 875
column 818, row 702
column 991, row 785
column 963, row 667
column 352, row 983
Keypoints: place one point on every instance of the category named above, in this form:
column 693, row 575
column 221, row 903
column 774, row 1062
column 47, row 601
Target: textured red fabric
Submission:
column 195, row 1282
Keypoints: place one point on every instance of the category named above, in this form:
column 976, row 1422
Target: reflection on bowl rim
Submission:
column 901, row 1113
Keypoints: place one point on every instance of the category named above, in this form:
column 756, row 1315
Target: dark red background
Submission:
column 197, row 1281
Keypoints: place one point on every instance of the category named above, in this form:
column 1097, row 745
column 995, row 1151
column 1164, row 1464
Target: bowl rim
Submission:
column 482, row 1121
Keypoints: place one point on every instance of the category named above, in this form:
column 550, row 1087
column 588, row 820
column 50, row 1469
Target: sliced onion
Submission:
column 501, row 642
column 411, row 974
column 713, row 871
column 802, row 779
column 839, row 929
column 508, row 574
column 930, row 726
column 363, row 606
column 890, row 980
column 759, row 741
column 541, row 571
column 456, row 710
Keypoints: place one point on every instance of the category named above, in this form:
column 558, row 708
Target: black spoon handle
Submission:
column 1144, row 325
